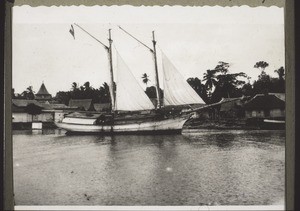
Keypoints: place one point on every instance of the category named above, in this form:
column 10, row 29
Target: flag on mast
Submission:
column 72, row 31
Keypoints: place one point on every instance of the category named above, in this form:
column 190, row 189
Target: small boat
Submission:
column 132, row 111
column 274, row 121
column 273, row 124
column 267, row 123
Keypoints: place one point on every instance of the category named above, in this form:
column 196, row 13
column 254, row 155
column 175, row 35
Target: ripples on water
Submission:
column 204, row 167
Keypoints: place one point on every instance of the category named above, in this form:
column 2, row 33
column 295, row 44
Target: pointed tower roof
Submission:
column 43, row 90
column 43, row 94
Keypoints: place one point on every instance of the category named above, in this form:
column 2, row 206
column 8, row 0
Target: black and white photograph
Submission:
column 148, row 106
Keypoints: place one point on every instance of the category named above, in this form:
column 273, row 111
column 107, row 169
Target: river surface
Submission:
column 201, row 167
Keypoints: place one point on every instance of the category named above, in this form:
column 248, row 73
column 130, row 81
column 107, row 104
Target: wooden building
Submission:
column 231, row 108
column 265, row 106
column 25, row 112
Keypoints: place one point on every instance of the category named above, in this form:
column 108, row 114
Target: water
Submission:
column 204, row 167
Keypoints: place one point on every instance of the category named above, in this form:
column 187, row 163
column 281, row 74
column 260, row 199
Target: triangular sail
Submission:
column 129, row 94
column 176, row 90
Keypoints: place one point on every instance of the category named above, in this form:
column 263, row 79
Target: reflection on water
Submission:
column 201, row 167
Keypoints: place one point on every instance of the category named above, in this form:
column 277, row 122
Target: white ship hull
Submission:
column 171, row 125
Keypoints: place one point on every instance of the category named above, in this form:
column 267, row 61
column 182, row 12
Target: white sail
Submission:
column 176, row 90
column 129, row 94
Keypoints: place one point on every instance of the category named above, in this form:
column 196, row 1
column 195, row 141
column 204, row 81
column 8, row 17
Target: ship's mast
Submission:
column 112, row 84
column 109, row 51
column 156, row 71
column 153, row 51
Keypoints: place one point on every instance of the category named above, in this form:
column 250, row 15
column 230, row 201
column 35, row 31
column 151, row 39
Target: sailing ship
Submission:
column 131, row 109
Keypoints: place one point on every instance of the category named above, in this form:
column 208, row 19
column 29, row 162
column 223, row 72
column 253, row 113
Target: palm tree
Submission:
column 229, row 83
column 29, row 89
column 222, row 67
column 280, row 73
column 28, row 93
column 210, row 78
column 74, row 86
column 104, row 93
column 145, row 78
column 196, row 84
column 87, row 86
column 261, row 65
column 279, row 84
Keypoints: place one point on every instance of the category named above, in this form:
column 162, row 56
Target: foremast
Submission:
column 109, row 52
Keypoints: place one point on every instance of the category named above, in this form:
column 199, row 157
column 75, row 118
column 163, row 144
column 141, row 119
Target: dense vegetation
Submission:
column 219, row 83
column 216, row 84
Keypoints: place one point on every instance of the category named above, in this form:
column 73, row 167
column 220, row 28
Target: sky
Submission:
column 195, row 39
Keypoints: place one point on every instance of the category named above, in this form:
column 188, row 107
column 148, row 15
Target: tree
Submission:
column 278, row 84
column 247, row 90
column 145, row 78
column 63, row 97
column 228, row 84
column 263, row 84
column 225, row 84
column 87, row 86
column 74, row 86
column 151, row 92
column 104, row 93
column 222, row 67
column 210, row 78
column 28, row 93
column 280, row 73
column 33, row 110
column 199, row 88
column 261, row 65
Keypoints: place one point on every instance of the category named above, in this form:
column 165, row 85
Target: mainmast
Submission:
column 109, row 51
column 112, row 84
column 156, row 71
column 153, row 51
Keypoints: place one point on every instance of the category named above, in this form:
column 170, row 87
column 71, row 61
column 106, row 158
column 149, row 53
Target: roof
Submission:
column 58, row 105
column 43, row 90
column 85, row 104
column 46, row 106
column 265, row 102
column 20, row 105
column 102, row 106
column 281, row 96
column 24, row 102
column 227, row 106
column 230, row 103
column 16, row 109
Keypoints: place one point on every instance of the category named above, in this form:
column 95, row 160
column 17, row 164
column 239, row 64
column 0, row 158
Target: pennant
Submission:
column 72, row 31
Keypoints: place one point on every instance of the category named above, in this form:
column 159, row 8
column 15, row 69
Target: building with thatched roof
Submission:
column 82, row 104
column 23, row 103
column 262, row 106
column 232, row 108
column 43, row 94
column 25, row 111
